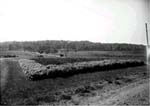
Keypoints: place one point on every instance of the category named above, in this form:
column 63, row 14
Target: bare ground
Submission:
column 140, row 99
column 127, row 95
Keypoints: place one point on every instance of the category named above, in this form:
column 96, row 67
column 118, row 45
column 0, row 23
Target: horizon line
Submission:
column 74, row 41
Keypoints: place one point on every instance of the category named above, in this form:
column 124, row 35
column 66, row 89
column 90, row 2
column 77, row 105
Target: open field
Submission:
column 18, row 54
column 17, row 89
column 98, row 55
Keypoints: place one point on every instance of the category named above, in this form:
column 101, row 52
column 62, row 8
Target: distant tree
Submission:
column 54, row 46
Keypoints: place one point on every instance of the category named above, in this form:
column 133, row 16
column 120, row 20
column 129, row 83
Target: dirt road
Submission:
column 12, row 79
column 10, row 73
column 3, row 73
column 121, row 96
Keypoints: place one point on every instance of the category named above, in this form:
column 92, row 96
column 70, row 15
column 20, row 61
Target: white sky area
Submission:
column 108, row 21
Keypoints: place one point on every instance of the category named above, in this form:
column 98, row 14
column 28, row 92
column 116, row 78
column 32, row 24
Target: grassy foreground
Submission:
column 21, row 91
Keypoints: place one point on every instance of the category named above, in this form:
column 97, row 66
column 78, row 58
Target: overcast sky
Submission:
column 108, row 21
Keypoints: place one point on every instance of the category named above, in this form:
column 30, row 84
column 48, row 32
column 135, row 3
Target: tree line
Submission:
column 53, row 46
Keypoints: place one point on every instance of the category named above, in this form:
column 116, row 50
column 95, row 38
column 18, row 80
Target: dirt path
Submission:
column 124, row 93
column 120, row 96
column 12, row 81
column 10, row 73
column 3, row 73
column 140, row 99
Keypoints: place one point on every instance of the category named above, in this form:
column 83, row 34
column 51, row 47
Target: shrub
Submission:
column 8, row 56
column 30, row 67
column 38, row 71
column 66, row 97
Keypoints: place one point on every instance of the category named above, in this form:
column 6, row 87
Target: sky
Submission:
column 106, row 21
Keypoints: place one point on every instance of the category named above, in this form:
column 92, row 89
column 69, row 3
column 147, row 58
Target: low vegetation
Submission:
column 20, row 91
column 65, row 80
column 38, row 71
column 58, row 60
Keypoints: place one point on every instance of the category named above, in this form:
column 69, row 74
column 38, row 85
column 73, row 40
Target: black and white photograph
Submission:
column 74, row 52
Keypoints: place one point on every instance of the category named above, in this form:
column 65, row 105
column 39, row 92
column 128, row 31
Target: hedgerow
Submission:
column 36, row 71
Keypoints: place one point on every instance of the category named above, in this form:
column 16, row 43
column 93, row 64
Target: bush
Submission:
column 38, row 71
column 8, row 56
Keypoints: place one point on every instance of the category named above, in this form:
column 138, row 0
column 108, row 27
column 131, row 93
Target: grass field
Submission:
column 78, row 55
column 25, row 92
column 21, row 91
column 92, row 55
